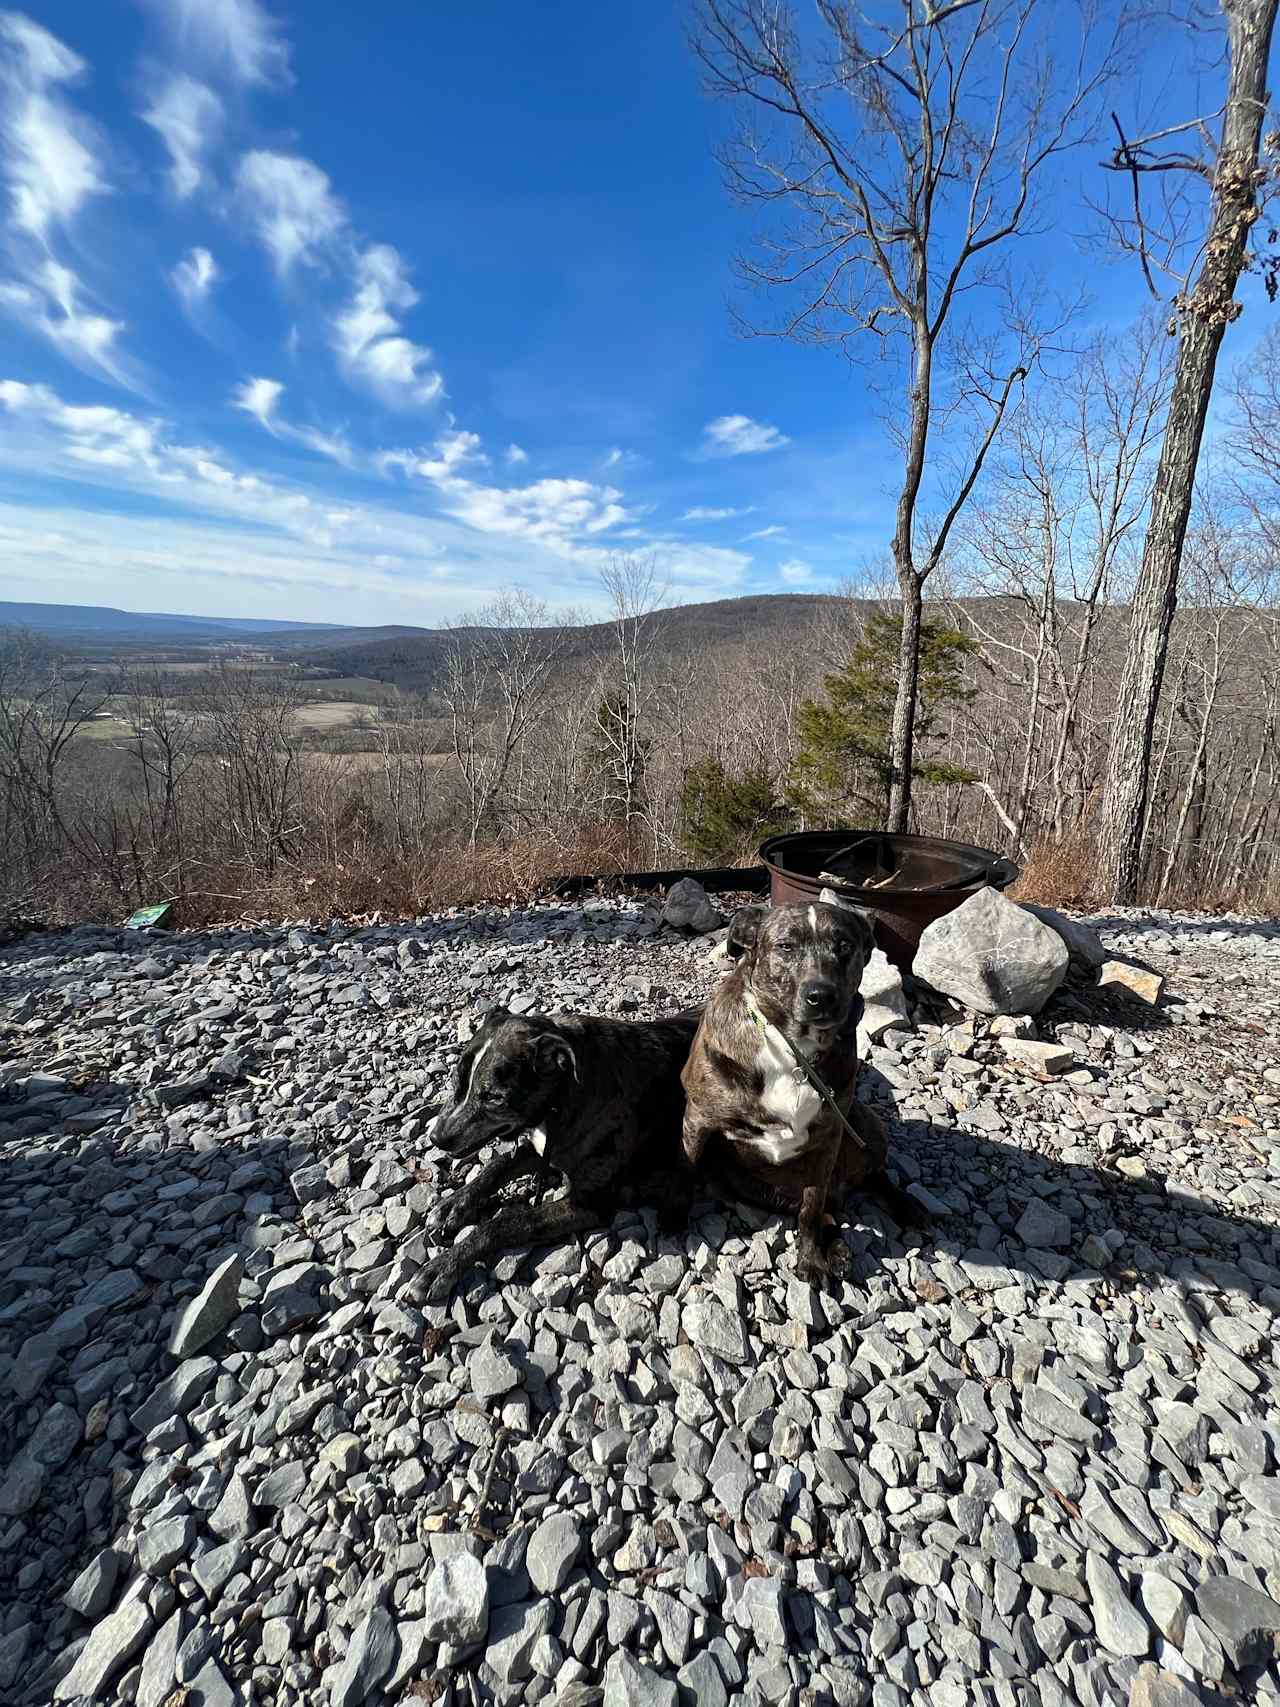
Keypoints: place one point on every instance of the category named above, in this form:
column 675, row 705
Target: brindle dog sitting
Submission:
column 599, row 1102
column 753, row 1114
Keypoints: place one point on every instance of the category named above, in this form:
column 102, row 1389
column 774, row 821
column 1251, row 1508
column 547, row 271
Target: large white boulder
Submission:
column 992, row 956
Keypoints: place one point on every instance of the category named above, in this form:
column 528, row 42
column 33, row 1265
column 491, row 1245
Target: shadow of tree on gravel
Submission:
column 1165, row 1238
column 85, row 1500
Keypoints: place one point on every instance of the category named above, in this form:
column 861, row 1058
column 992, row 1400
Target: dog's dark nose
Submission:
column 819, row 998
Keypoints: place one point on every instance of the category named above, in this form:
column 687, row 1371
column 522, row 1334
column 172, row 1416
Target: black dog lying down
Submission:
column 601, row 1104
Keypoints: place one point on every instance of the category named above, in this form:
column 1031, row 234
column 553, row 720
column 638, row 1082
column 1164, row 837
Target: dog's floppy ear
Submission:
column 744, row 928
column 829, row 898
column 554, row 1054
column 462, row 1071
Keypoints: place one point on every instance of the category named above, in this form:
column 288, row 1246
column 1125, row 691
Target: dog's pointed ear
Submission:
column 462, row 1071
column 744, row 928
column 554, row 1054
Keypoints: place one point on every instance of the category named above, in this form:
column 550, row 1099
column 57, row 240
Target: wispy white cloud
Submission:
column 194, row 277
column 767, row 533
column 795, row 572
column 372, row 349
column 614, row 457
column 566, row 516
column 224, row 524
column 188, row 116
column 516, row 455
column 49, row 157
column 453, row 448
column 238, row 39
column 557, row 513
column 702, row 514
column 49, row 303
column 141, row 454
column 291, row 204
column 150, row 562
column 230, row 533
column 693, row 572
column 50, row 153
column 261, row 397
column 739, row 435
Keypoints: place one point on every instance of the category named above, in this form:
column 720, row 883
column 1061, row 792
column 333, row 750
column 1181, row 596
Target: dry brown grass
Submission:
column 1259, row 898
column 365, row 881
column 1064, row 873
column 1059, row 873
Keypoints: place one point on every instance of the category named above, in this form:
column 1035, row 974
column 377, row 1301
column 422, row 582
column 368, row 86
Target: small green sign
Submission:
column 146, row 916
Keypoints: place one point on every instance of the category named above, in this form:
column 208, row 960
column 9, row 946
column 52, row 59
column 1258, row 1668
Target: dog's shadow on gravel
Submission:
column 987, row 1184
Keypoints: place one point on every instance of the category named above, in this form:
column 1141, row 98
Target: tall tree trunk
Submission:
column 1209, row 308
column 1193, row 789
column 910, row 579
column 902, row 736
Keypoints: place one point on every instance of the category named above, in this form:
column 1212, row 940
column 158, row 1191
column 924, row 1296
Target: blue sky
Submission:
column 360, row 315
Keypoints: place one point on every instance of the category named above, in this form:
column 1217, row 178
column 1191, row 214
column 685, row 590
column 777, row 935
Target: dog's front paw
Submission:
column 812, row 1266
column 448, row 1219
column 839, row 1259
column 436, row 1281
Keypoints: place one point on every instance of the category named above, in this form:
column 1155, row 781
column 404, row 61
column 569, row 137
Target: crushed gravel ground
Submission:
column 1029, row 1456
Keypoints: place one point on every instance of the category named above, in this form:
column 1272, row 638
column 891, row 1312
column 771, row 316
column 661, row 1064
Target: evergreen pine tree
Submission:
column 842, row 771
column 725, row 817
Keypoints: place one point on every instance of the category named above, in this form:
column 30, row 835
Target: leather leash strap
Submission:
column 805, row 1066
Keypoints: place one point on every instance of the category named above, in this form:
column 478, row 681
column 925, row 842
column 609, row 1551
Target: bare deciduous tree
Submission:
column 499, row 668
column 627, row 687
column 1067, row 496
column 902, row 158
column 249, row 729
column 1202, row 312
column 43, row 708
column 406, row 745
column 1221, row 573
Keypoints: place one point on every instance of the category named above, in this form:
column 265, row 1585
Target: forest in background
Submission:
column 1069, row 652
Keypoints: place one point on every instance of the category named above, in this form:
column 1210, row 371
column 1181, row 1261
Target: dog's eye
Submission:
column 494, row 1095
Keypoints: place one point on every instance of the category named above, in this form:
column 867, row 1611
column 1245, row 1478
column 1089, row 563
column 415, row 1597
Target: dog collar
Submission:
column 777, row 1037
column 804, row 1070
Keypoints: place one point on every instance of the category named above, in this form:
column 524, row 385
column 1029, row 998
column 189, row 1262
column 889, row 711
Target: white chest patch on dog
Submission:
column 793, row 1106
column 538, row 1138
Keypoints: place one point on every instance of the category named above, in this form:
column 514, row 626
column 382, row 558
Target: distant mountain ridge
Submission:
column 105, row 622
column 392, row 652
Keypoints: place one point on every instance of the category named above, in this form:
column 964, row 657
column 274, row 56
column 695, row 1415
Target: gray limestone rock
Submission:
column 627, row 1683
column 210, row 1311
column 456, row 1604
column 1121, row 1628
column 992, row 956
column 369, row 1656
column 553, row 1548
column 1244, row 1619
